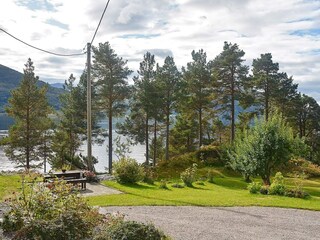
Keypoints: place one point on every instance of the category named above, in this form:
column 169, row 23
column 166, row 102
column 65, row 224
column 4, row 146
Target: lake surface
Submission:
column 99, row 151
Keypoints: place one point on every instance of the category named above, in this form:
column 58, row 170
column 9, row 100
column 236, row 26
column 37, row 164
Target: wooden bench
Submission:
column 73, row 177
column 75, row 181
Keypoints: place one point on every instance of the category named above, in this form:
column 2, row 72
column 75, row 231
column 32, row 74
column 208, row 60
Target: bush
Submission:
column 254, row 187
column 264, row 190
column 91, row 176
column 210, row 175
column 301, row 165
column 277, row 187
column 163, row 184
column 296, row 193
column 209, row 155
column 118, row 229
column 189, row 175
column 149, row 175
column 42, row 213
column 128, row 170
column 177, row 185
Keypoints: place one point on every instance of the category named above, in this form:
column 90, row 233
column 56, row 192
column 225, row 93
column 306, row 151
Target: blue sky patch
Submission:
column 307, row 32
column 36, row 5
column 56, row 23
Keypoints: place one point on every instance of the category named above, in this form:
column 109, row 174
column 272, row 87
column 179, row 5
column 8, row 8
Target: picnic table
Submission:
column 73, row 176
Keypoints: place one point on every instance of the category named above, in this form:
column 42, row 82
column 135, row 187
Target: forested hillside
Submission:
column 10, row 79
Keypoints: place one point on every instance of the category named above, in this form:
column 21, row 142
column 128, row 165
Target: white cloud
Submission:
column 164, row 26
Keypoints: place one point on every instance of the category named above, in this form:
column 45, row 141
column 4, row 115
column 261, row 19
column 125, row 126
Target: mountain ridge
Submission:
column 10, row 79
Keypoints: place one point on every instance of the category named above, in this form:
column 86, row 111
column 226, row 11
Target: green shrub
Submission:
column 200, row 183
column 149, row 175
column 277, row 187
column 210, row 175
column 177, row 185
column 254, row 187
column 209, row 155
column 118, row 229
column 296, row 193
column 128, row 170
column 42, row 213
column 163, row 184
column 264, row 190
column 301, row 165
column 189, row 175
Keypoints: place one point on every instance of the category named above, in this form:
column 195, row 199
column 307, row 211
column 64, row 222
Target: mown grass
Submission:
column 9, row 184
column 225, row 191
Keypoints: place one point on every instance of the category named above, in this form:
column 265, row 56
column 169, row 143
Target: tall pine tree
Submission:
column 111, row 74
column 29, row 107
column 229, row 74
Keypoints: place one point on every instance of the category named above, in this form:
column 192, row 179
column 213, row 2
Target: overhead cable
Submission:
column 49, row 52
column 105, row 8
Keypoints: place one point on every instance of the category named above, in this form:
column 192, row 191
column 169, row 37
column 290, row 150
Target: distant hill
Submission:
column 57, row 85
column 10, row 79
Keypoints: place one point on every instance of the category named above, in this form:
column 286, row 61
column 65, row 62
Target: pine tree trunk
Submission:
column 232, row 109
column 155, row 143
column 110, row 139
column 200, row 128
column 167, row 133
column 267, row 100
column 147, row 139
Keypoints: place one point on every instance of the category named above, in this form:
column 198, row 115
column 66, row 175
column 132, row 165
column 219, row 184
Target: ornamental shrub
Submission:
column 264, row 190
column 277, row 187
column 254, row 187
column 39, row 212
column 189, row 175
column 128, row 170
column 116, row 228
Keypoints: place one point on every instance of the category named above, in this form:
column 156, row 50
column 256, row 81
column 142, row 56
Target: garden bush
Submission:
column 254, row 187
column 163, row 184
column 277, row 187
column 301, row 165
column 177, row 185
column 296, row 193
column 116, row 228
column 189, row 175
column 209, row 155
column 210, row 175
column 264, row 190
column 128, row 170
column 149, row 175
column 39, row 212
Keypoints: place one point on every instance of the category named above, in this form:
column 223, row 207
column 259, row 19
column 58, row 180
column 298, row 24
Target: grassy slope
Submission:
column 9, row 184
column 224, row 192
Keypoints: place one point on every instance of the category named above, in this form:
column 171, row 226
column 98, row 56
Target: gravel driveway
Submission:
column 202, row 223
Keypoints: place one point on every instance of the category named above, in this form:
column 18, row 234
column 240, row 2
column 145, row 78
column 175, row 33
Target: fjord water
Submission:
column 99, row 151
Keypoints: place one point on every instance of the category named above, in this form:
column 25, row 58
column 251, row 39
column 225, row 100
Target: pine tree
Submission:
column 197, row 89
column 169, row 81
column 29, row 108
column 111, row 74
column 229, row 74
column 265, row 82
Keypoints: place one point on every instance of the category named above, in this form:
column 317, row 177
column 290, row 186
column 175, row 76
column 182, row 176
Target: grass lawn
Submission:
column 226, row 191
column 9, row 184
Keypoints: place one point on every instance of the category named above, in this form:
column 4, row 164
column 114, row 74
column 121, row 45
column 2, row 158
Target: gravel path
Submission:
column 209, row 223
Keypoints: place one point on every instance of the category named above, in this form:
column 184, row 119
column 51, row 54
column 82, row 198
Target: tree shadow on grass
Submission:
column 231, row 183
column 137, row 186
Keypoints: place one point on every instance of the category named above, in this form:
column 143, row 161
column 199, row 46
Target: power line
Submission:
column 105, row 8
column 40, row 49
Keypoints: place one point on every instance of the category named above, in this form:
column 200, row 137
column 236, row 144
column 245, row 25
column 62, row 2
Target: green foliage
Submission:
column 264, row 189
column 229, row 74
column 277, row 187
column 209, row 155
column 301, row 165
column 29, row 108
column 177, row 185
column 149, row 175
column 128, row 170
column 264, row 147
column 163, row 184
column 49, row 212
column 210, row 176
column 189, row 175
column 116, row 228
column 254, row 187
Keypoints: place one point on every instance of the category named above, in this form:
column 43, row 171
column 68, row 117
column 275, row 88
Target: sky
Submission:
column 289, row 29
